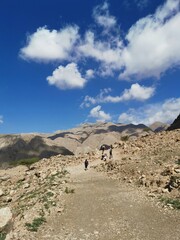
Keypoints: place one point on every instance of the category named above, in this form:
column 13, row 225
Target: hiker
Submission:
column 102, row 157
column 86, row 163
column 102, row 148
column 105, row 157
column 110, row 152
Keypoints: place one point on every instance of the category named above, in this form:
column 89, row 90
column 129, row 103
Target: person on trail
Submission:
column 103, row 148
column 105, row 157
column 110, row 152
column 86, row 163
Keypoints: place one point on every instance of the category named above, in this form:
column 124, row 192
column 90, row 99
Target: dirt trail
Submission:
column 105, row 209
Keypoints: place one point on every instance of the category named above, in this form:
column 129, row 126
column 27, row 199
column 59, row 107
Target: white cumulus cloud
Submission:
column 149, row 49
column 106, row 52
column 99, row 114
column 164, row 112
column 67, row 77
column 153, row 43
column 136, row 92
column 46, row 45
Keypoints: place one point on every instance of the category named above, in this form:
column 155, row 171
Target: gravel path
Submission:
column 105, row 209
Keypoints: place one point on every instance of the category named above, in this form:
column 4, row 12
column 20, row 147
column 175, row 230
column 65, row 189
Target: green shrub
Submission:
column 178, row 161
column 146, row 129
column 2, row 236
column 37, row 222
column 124, row 138
column 175, row 203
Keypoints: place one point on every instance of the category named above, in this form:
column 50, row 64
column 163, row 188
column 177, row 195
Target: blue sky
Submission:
column 67, row 62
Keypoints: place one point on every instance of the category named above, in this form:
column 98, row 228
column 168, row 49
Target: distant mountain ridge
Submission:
column 84, row 138
column 158, row 126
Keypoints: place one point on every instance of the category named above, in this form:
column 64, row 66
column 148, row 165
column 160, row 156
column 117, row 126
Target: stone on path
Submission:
column 5, row 217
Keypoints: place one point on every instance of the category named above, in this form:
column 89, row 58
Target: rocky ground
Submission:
column 136, row 195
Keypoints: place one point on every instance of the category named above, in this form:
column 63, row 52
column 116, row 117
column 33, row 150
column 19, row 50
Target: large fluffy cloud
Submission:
column 164, row 112
column 102, row 51
column 99, row 114
column 67, row 77
column 153, row 43
column 47, row 45
column 150, row 47
column 136, row 92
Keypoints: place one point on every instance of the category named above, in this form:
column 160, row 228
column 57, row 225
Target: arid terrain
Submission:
column 135, row 195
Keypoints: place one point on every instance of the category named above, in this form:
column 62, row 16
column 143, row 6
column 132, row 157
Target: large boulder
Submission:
column 5, row 218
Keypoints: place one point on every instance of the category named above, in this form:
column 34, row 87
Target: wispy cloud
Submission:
column 1, row 119
column 102, row 16
column 102, row 51
column 90, row 73
column 99, row 114
column 141, row 4
column 67, row 77
column 164, row 112
column 50, row 45
column 136, row 92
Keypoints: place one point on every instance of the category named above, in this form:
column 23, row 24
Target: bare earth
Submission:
column 105, row 209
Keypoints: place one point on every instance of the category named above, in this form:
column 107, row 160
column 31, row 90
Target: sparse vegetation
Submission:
column 2, row 235
column 48, row 202
column 178, row 161
column 146, row 129
column 124, row 138
column 26, row 161
column 69, row 190
column 37, row 222
column 175, row 203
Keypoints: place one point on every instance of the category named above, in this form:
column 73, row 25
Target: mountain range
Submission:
column 82, row 139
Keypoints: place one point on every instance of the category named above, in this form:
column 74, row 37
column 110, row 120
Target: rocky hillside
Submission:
column 175, row 124
column 158, row 126
column 16, row 147
column 28, row 195
column 84, row 138
column 152, row 162
column 88, row 137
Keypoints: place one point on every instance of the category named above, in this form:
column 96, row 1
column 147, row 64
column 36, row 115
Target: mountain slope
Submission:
column 175, row 124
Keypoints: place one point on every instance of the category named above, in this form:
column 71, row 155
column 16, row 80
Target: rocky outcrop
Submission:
column 152, row 162
column 175, row 124
column 33, row 193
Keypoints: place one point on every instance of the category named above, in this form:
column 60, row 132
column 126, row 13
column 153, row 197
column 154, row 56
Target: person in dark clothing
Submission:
column 86, row 163
column 110, row 152
column 103, row 148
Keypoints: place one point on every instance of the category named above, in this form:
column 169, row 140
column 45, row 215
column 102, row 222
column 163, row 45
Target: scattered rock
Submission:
column 6, row 217
column 1, row 193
